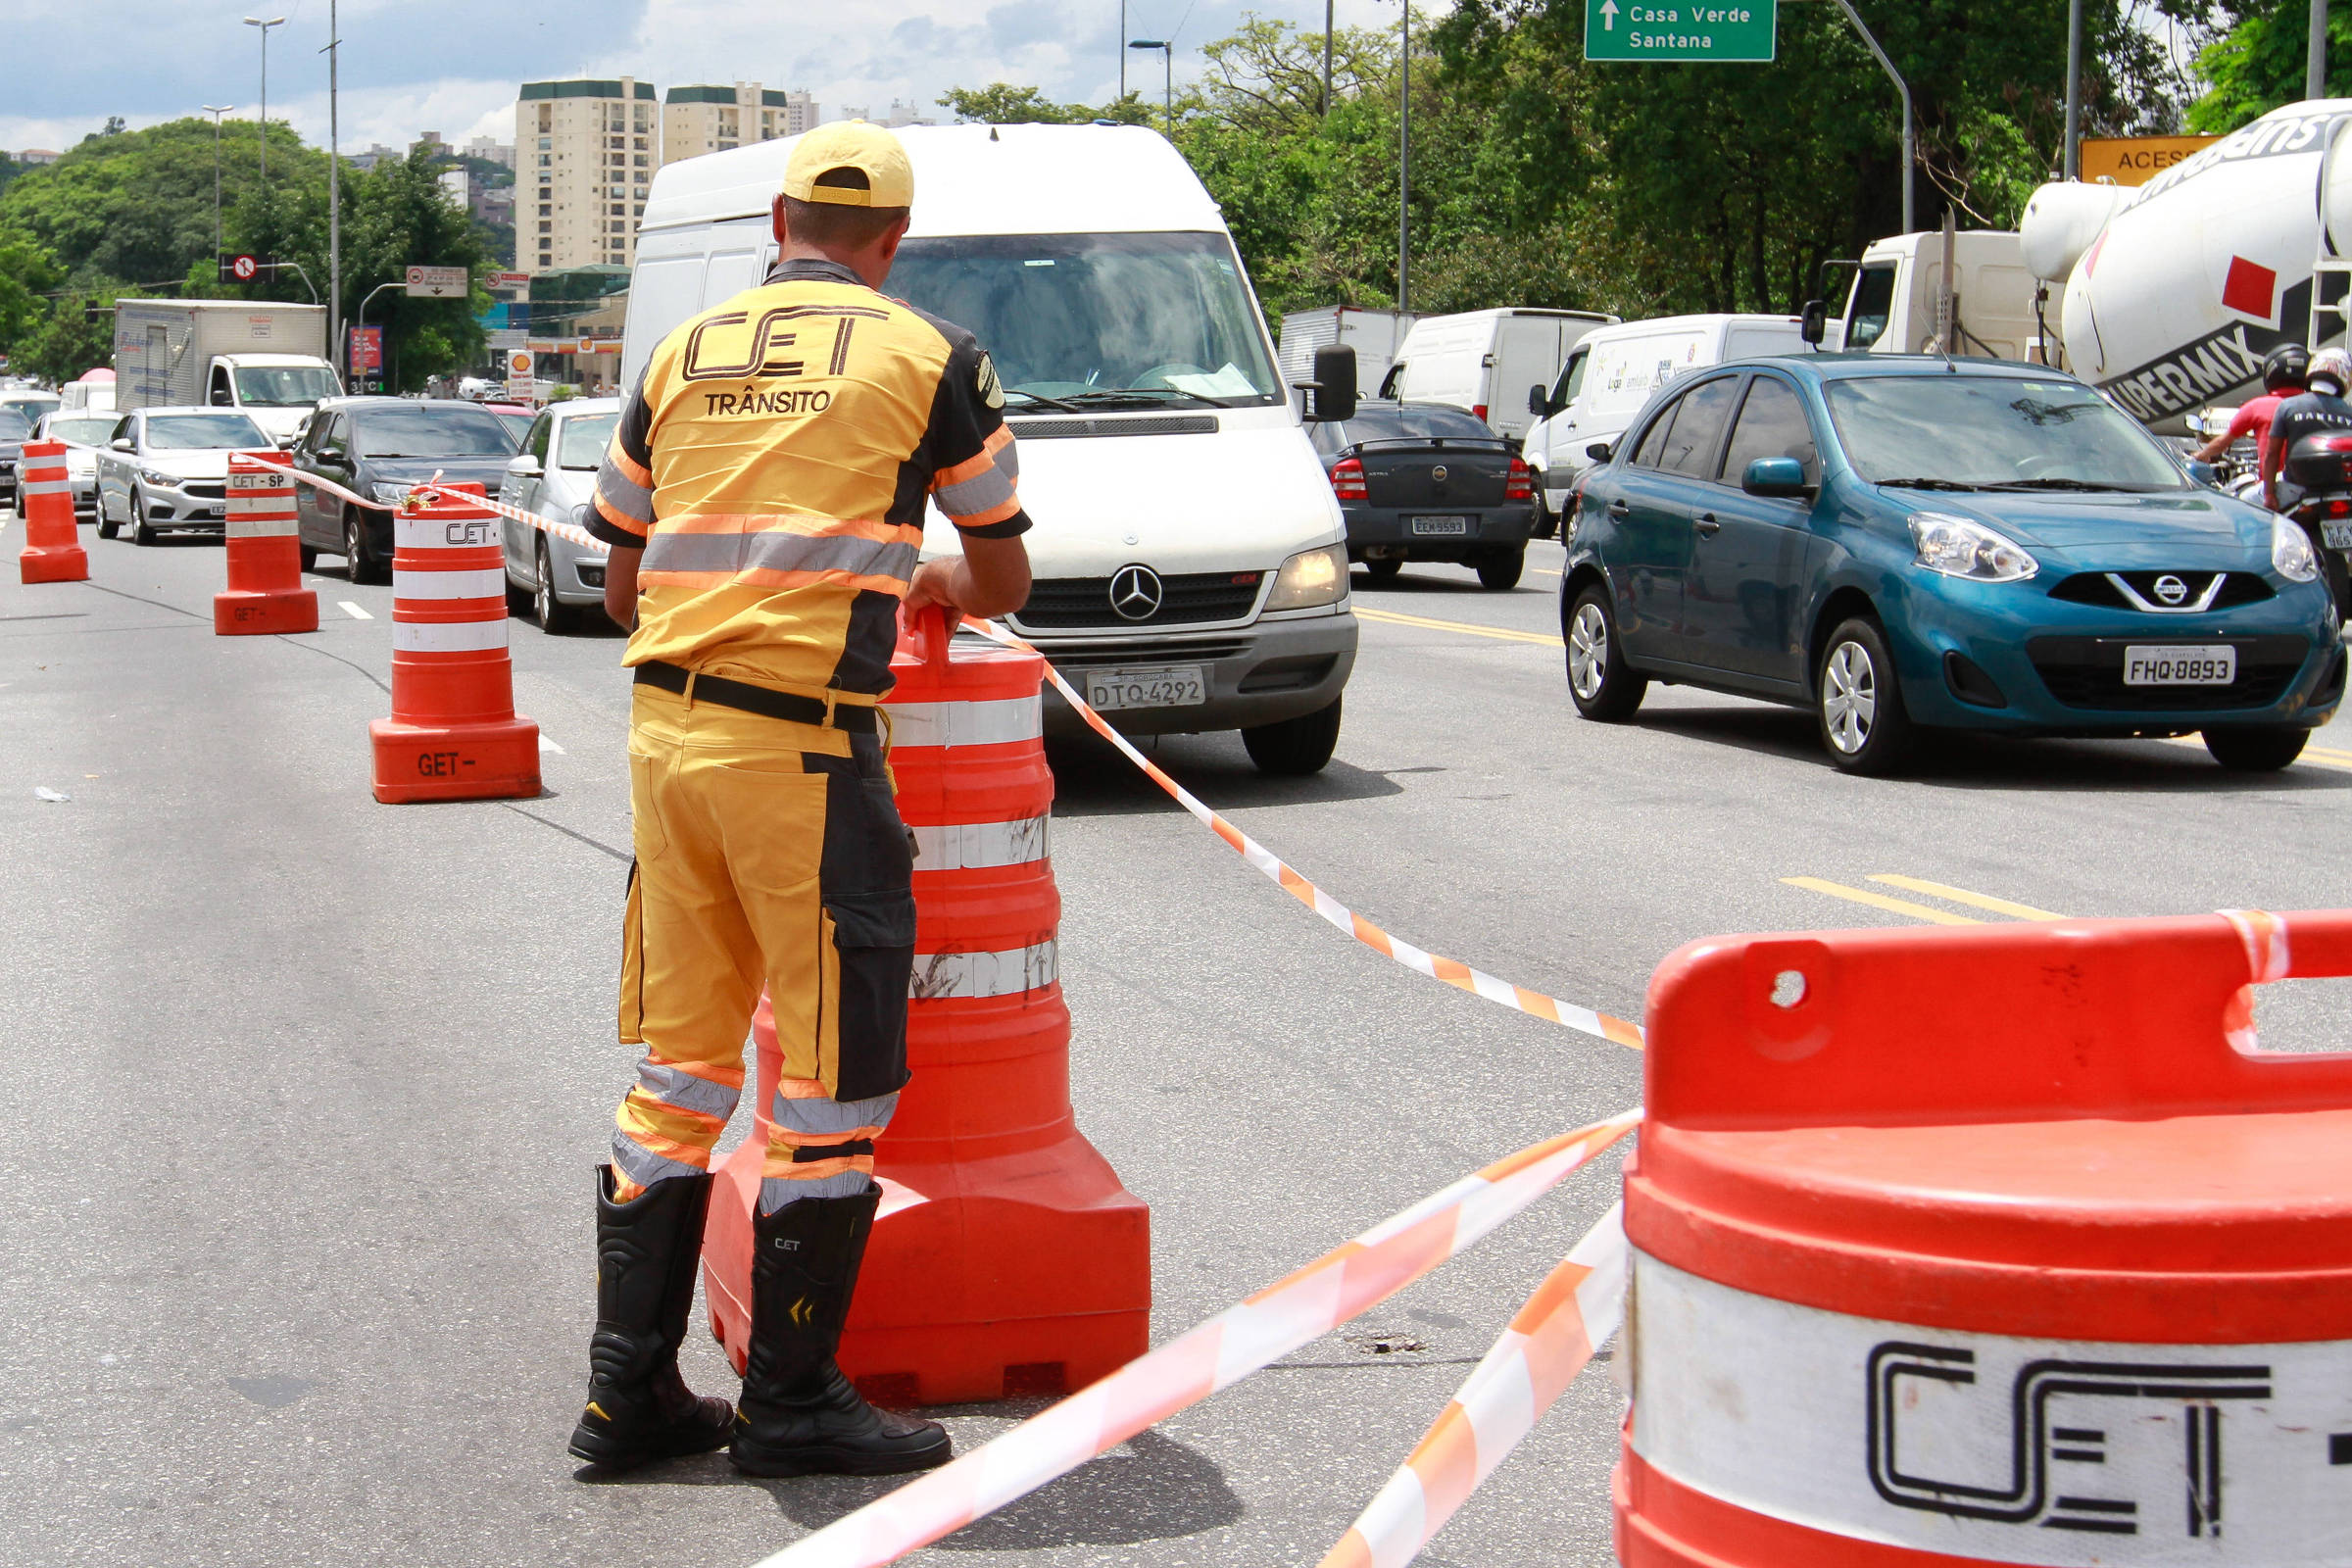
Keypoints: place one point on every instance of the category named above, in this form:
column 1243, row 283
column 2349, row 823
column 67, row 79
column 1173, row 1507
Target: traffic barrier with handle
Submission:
column 264, row 593
column 1277, row 1320
column 52, row 550
column 453, row 734
column 1996, row 1245
column 1006, row 1257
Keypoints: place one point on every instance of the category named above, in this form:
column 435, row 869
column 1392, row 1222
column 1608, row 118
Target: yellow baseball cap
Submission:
column 850, row 144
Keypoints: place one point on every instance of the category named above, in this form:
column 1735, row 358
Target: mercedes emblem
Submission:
column 1438, row 473
column 2171, row 589
column 1135, row 593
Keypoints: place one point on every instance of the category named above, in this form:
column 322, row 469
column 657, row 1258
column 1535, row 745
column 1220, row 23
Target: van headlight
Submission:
column 1962, row 547
column 1311, row 578
column 2292, row 555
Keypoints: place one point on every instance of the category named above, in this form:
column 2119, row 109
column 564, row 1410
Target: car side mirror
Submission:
column 1815, row 324
column 1599, row 451
column 1538, row 401
column 122, row 443
column 1775, row 477
column 2201, row 471
column 522, row 466
column 1332, row 392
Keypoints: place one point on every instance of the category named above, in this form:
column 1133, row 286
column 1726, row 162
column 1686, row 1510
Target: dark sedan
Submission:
column 382, row 448
column 14, row 433
column 1428, row 481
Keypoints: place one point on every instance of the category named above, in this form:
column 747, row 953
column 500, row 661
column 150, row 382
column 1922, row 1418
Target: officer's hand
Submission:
column 933, row 583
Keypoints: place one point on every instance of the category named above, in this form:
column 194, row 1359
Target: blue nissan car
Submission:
column 1905, row 542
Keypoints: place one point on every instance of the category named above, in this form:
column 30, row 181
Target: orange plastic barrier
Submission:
column 265, row 592
column 1989, row 1245
column 453, row 734
column 53, row 551
column 1006, row 1257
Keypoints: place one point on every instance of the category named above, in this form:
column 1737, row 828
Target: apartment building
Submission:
column 584, row 152
column 713, row 119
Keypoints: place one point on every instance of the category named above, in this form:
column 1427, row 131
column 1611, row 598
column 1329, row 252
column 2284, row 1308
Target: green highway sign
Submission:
column 1678, row 29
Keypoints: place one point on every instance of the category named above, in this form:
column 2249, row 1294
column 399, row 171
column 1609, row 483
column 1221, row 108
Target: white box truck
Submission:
column 1375, row 335
column 1899, row 303
column 1190, row 560
column 1485, row 361
column 265, row 358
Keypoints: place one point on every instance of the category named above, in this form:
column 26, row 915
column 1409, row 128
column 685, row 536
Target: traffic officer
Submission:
column 764, row 496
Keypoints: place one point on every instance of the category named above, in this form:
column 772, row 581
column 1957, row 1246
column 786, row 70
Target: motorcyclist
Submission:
column 2283, row 373
column 2320, row 410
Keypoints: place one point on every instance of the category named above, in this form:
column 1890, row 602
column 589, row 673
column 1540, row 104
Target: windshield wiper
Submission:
column 1930, row 484
column 2074, row 484
column 1105, row 396
column 1043, row 401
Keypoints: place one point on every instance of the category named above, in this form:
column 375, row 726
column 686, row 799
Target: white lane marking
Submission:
column 547, row 745
column 352, row 609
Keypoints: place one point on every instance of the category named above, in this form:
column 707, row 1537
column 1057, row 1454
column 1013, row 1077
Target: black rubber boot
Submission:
column 798, row 1415
column 646, row 1251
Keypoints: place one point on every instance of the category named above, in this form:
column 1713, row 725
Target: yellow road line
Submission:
column 2313, row 755
column 1504, row 633
column 1981, row 901
column 1880, row 900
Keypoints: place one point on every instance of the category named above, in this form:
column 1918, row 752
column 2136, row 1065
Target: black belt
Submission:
column 857, row 718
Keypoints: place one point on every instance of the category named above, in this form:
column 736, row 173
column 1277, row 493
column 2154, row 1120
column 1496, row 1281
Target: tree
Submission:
column 399, row 218
column 26, row 273
column 2257, row 65
column 1001, row 103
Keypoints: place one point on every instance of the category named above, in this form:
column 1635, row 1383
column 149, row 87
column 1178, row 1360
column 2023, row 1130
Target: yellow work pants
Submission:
column 768, row 853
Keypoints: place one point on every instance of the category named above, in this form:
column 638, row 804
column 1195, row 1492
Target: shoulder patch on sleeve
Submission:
column 992, row 391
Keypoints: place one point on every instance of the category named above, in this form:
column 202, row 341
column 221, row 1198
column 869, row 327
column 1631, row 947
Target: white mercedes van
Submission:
column 1611, row 373
column 1190, row 560
column 1485, row 361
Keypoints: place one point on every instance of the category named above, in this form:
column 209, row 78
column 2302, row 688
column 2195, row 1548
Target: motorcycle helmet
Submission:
column 2333, row 367
column 2284, row 369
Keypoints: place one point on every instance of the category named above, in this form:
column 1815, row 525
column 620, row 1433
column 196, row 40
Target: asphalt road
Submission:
column 298, row 1265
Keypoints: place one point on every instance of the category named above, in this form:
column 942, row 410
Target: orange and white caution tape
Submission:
column 1572, row 1313
column 2268, row 958
column 1450, row 970
column 1227, row 1347
column 561, row 530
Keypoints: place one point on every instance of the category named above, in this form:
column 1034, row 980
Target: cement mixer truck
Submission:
column 2174, row 291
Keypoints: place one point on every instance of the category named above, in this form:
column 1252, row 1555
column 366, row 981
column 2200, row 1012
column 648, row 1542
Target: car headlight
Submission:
column 156, row 476
column 1960, row 547
column 393, row 493
column 2292, row 555
column 1309, row 578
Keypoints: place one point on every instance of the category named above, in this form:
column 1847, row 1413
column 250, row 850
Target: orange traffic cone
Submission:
column 453, row 734
column 1006, row 1257
column 52, row 550
column 265, row 592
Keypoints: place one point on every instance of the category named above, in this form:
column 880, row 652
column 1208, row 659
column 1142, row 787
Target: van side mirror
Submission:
column 1599, row 451
column 1538, row 401
column 1332, row 392
column 1816, row 322
column 1775, row 477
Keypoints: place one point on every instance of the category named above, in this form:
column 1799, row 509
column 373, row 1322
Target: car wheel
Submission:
column 310, row 556
column 1860, row 703
column 2256, row 749
column 108, row 527
column 1604, row 687
column 140, row 532
column 1383, row 569
column 357, row 565
column 552, row 614
column 1500, row 569
column 1295, row 746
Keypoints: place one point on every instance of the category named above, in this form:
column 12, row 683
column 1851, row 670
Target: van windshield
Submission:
column 1098, row 321
column 284, row 386
column 1867, row 310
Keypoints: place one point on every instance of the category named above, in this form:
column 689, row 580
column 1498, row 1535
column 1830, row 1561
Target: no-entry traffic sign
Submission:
column 242, row 268
column 436, row 282
column 1677, row 29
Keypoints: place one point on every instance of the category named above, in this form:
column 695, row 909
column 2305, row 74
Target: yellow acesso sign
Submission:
column 2137, row 160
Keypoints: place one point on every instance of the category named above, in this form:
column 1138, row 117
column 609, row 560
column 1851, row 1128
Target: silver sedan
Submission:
column 555, row 476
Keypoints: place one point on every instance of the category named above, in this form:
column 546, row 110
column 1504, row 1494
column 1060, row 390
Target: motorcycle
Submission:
column 2314, row 488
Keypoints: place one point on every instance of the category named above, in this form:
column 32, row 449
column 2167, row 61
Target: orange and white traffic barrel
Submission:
column 453, row 734
column 2000, row 1245
column 52, row 550
column 1007, row 1256
column 264, row 593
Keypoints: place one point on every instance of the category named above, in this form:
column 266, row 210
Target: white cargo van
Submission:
column 1190, row 559
column 1485, row 361
column 1612, row 373
column 1375, row 335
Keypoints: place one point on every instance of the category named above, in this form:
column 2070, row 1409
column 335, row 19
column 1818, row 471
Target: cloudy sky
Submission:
column 451, row 65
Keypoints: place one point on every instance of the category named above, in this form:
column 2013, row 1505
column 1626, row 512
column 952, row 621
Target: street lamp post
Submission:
column 1326, row 9
column 217, row 111
column 335, row 348
column 1404, row 167
column 1167, row 48
column 1122, row 53
column 257, row 22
